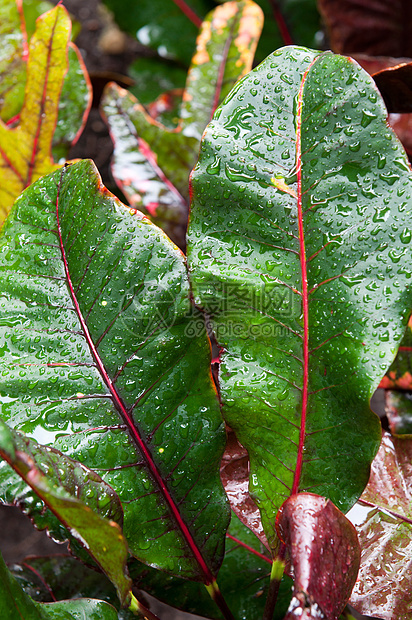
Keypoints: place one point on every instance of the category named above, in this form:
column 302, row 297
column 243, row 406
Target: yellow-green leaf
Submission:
column 25, row 150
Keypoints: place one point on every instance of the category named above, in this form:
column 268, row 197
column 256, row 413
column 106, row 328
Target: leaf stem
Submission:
column 278, row 567
column 137, row 608
column 189, row 12
column 280, row 20
column 217, row 597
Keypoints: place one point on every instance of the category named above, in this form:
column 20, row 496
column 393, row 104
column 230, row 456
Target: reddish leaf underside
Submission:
column 383, row 519
column 374, row 27
column 324, row 553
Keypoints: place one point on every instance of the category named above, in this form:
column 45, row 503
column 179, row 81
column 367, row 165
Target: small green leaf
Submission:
column 76, row 496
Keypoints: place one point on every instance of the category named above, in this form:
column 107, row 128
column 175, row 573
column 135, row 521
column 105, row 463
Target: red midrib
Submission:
column 305, row 297
column 189, row 12
column 208, row 577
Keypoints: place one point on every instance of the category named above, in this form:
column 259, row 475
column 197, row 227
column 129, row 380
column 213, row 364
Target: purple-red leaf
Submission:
column 384, row 526
column 234, row 473
column 324, row 553
column 375, row 27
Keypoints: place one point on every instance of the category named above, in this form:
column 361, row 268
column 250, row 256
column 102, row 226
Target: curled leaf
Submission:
column 66, row 488
column 383, row 519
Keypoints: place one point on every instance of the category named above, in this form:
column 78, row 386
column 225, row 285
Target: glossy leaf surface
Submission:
column 102, row 369
column 76, row 496
column 373, row 27
column 298, row 233
column 151, row 162
column 26, row 149
column 324, row 553
column 385, row 534
column 15, row 603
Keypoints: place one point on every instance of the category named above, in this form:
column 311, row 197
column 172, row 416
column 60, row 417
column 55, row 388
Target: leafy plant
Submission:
column 297, row 274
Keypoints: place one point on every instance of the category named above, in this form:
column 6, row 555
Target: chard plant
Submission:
column 220, row 494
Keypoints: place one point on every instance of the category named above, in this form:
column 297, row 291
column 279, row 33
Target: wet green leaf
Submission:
column 384, row 527
column 300, row 202
column 78, row 497
column 98, row 361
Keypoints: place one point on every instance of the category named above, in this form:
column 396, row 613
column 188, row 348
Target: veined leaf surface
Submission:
column 324, row 553
column 96, row 362
column 298, row 250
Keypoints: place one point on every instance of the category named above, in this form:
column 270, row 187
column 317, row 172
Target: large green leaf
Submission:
column 96, row 361
column 298, row 250
column 151, row 162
